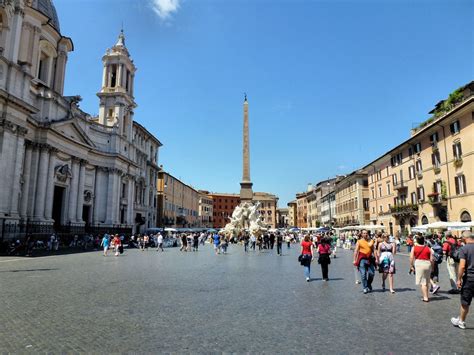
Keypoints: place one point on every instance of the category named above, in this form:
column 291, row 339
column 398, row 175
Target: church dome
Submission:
column 46, row 7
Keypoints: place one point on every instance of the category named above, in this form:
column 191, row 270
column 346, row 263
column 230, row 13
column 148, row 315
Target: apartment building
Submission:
column 302, row 210
column 430, row 176
column 292, row 214
column 352, row 200
column 205, row 209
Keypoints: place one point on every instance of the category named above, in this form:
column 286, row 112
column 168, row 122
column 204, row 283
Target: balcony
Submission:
column 436, row 169
column 404, row 210
column 434, row 147
column 400, row 185
column 419, row 175
column 435, row 198
column 457, row 162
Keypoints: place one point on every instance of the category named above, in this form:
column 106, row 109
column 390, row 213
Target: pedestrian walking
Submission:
column 117, row 244
column 324, row 259
column 386, row 261
column 159, row 242
column 246, row 241
column 438, row 259
column 465, row 279
column 195, row 242
column 272, row 240
column 306, row 256
column 253, row 242
column 364, row 261
column 216, row 239
column 279, row 242
column 451, row 250
column 184, row 243
column 105, row 243
column 421, row 261
column 288, row 241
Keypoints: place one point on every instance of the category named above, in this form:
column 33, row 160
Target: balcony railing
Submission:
column 399, row 185
column 436, row 198
column 398, row 210
column 457, row 162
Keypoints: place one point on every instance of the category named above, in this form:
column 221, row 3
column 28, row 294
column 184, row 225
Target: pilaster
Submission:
column 73, row 186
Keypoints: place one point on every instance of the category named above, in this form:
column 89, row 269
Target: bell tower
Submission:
column 116, row 95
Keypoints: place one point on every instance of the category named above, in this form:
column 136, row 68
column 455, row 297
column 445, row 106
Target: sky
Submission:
column 331, row 85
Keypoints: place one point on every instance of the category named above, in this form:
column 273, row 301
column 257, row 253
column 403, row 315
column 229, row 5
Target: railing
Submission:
column 436, row 198
column 10, row 230
column 398, row 185
column 404, row 209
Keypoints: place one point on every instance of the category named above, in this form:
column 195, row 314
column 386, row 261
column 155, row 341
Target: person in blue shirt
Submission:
column 105, row 243
column 217, row 241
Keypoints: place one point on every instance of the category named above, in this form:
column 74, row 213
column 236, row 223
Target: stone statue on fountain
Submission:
column 244, row 218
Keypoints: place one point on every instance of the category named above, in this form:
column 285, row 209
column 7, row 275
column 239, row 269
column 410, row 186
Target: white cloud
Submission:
column 165, row 8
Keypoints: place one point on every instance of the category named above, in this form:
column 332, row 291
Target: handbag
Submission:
column 121, row 249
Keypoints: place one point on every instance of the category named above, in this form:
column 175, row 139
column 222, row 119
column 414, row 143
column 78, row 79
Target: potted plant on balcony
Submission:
column 433, row 197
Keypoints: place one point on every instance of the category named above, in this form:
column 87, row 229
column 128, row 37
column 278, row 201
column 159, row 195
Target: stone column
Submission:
column 48, row 209
column 41, row 182
column 104, row 77
column 15, row 180
column 60, row 71
column 130, row 202
column 95, row 210
column 80, row 193
column 112, row 197
column 119, row 74
column 26, row 180
column 73, row 185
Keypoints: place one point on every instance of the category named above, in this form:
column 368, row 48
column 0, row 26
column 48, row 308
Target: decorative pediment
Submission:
column 72, row 130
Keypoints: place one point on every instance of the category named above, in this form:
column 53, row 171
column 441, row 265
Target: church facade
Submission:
column 62, row 169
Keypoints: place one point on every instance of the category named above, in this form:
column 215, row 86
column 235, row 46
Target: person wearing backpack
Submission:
column 438, row 259
column 451, row 250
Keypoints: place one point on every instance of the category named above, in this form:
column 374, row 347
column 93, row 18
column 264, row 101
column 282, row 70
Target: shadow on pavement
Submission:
column 29, row 270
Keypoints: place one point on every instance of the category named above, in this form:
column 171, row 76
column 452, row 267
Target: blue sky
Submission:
column 331, row 84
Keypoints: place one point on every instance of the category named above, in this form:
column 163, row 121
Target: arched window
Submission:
column 46, row 59
column 424, row 220
column 466, row 217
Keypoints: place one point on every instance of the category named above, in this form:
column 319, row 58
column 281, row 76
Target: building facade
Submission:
column 178, row 203
column 223, row 205
column 430, row 176
column 268, row 205
column 292, row 214
column 61, row 169
column 206, row 209
column 302, row 210
column 282, row 218
column 352, row 200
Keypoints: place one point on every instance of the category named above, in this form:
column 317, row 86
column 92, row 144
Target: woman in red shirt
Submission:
column 421, row 261
column 117, row 243
column 324, row 250
column 306, row 256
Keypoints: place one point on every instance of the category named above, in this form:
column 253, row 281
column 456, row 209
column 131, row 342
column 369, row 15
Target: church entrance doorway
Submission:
column 86, row 210
column 58, row 200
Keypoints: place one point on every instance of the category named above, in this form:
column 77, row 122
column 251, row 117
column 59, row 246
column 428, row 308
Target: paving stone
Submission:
column 175, row 302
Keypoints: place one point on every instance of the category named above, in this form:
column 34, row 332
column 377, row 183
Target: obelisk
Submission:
column 246, row 193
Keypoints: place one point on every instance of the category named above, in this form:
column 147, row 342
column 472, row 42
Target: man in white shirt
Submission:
column 159, row 240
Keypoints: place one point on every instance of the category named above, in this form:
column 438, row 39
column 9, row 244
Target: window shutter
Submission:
column 456, row 182
column 433, row 159
column 454, row 151
column 459, row 149
column 451, row 127
column 464, row 183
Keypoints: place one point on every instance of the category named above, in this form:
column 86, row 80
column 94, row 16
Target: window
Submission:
column 395, row 179
column 436, row 160
column 455, row 127
column 411, row 172
column 388, row 188
column 373, row 209
column 419, row 167
column 124, row 189
column 366, row 204
column 434, row 139
column 460, row 182
column 410, row 151
column 413, row 198
column 417, row 148
column 457, row 151
column 373, row 193
column 397, row 159
column 113, row 75
column 380, row 190
column 43, row 68
column 421, row 193
column 381, row 208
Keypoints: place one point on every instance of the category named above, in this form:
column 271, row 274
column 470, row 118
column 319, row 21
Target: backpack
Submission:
column 437, row 253
column 455, row 252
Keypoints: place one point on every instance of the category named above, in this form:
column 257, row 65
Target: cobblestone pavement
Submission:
column 199, row 302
